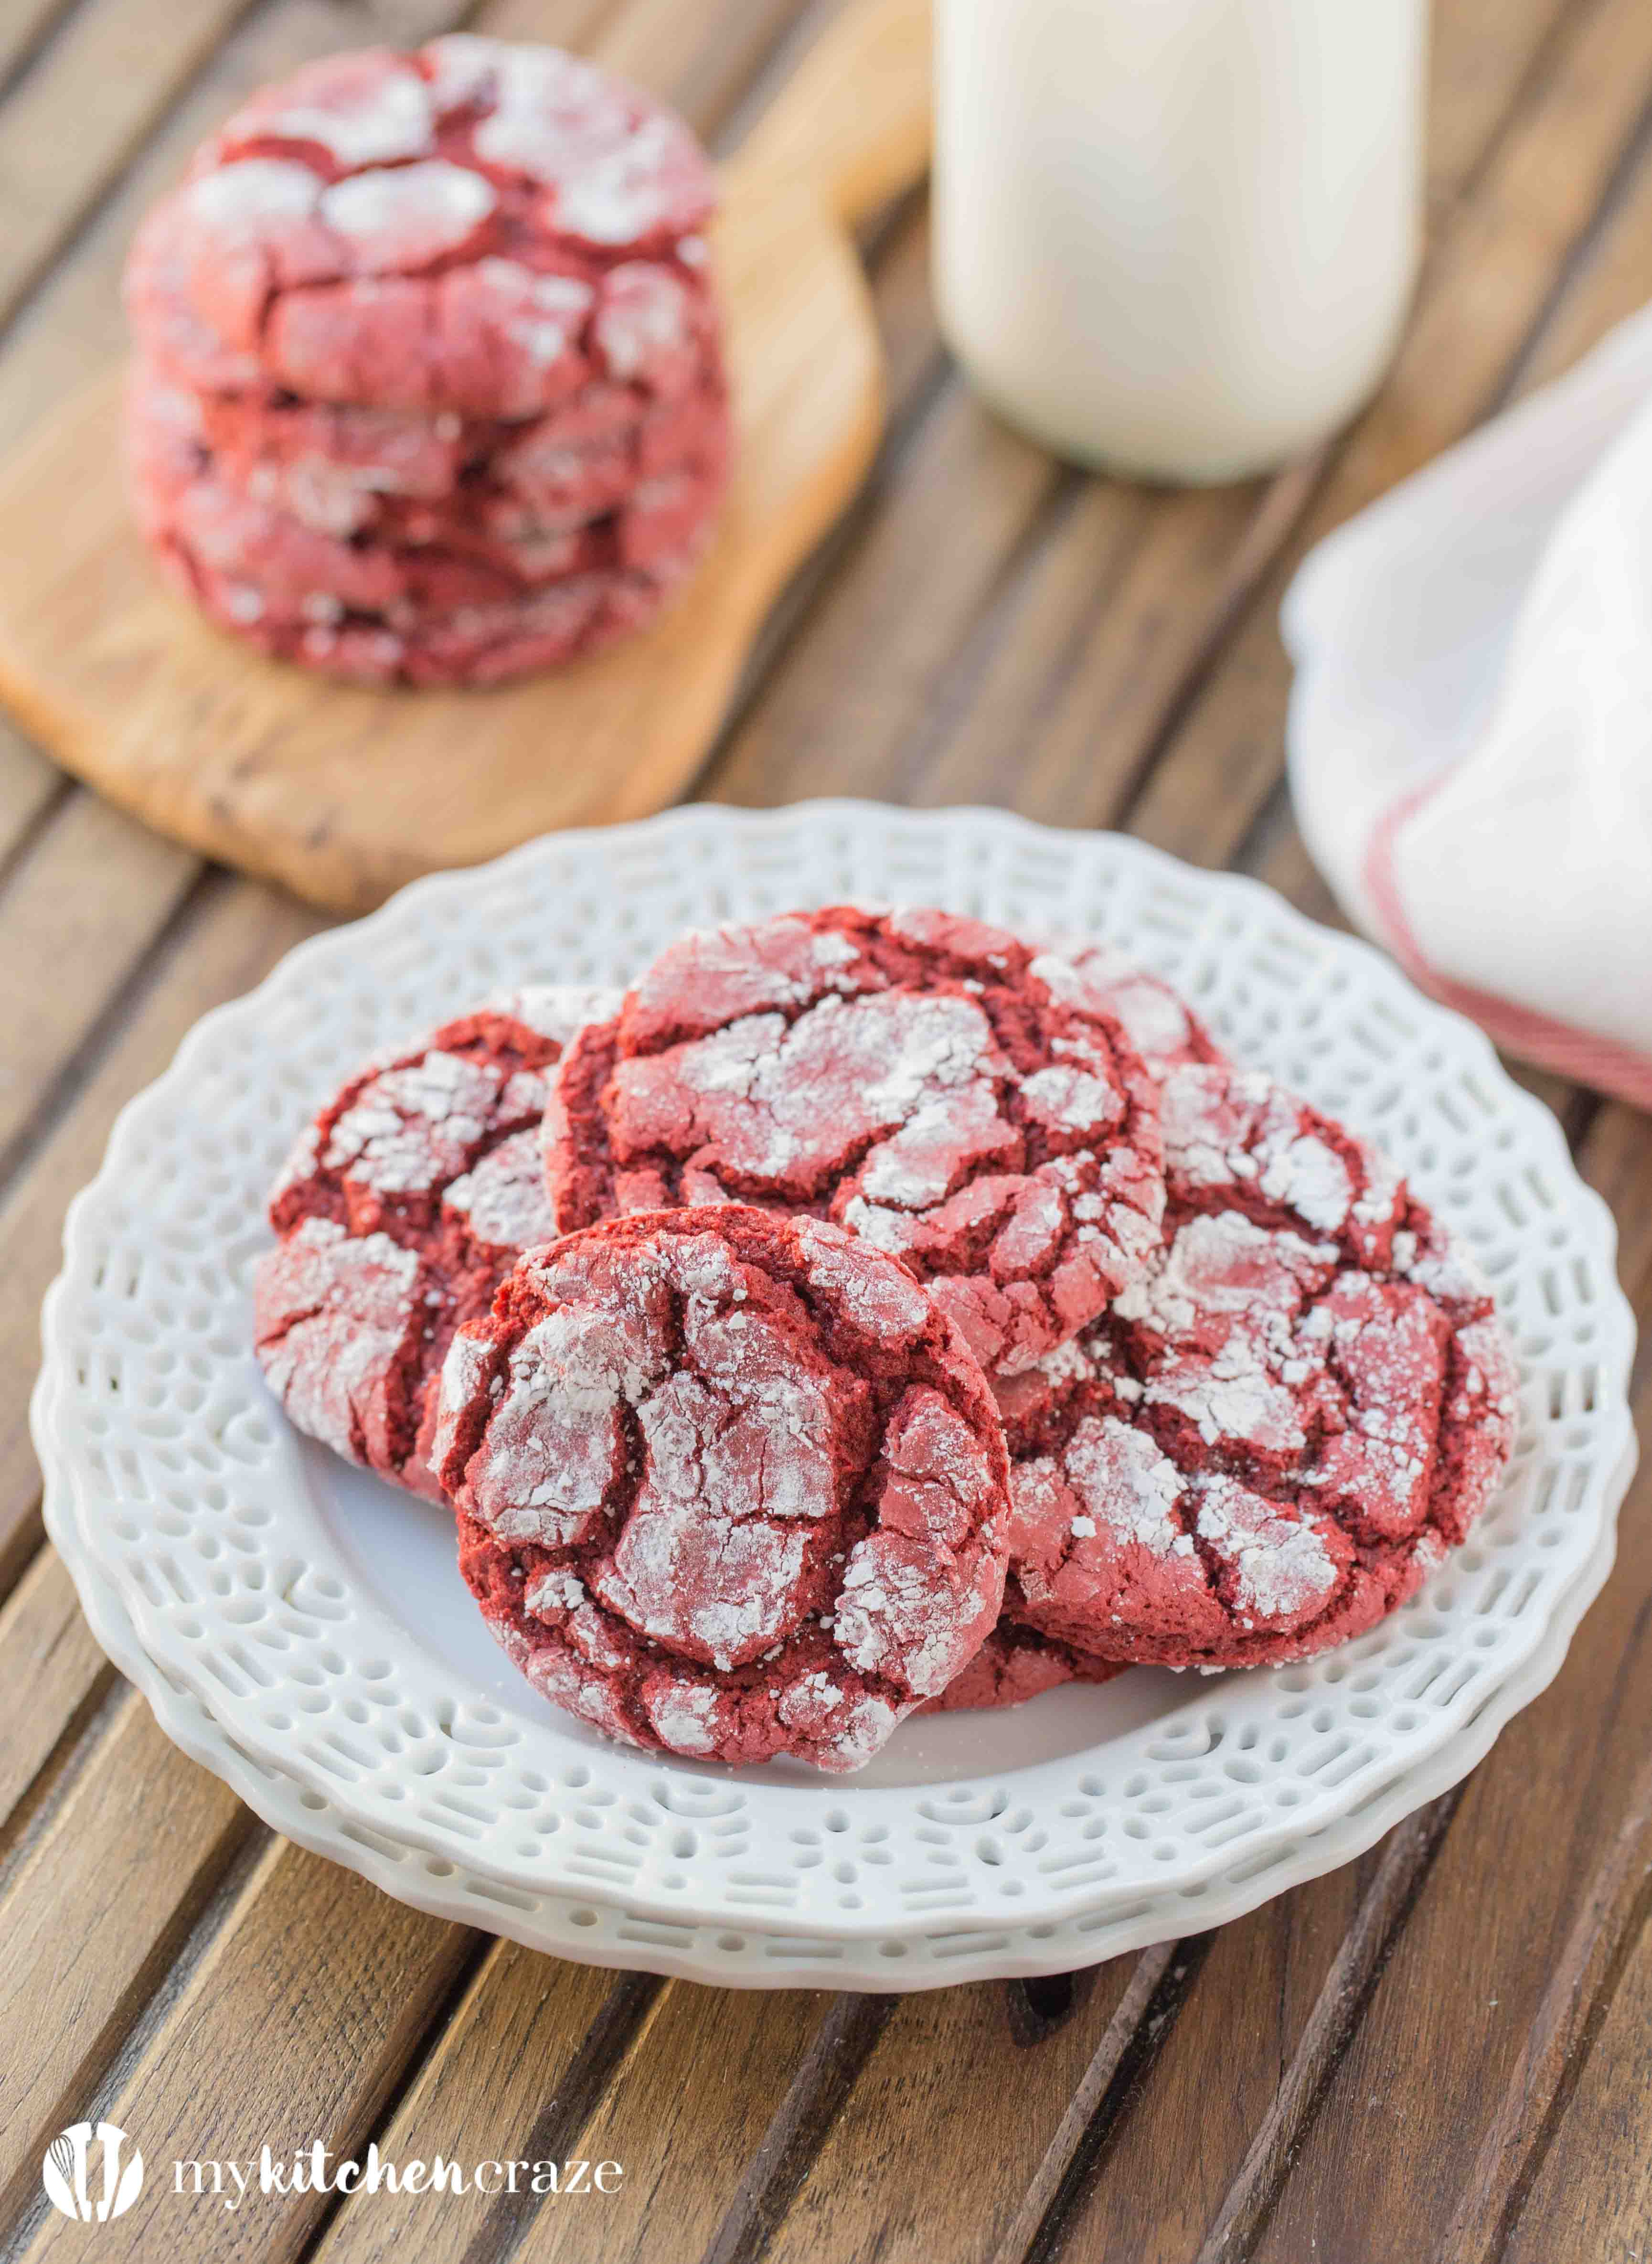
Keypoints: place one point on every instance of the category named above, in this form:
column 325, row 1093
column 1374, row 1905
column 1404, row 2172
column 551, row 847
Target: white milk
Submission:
column 1177, row 238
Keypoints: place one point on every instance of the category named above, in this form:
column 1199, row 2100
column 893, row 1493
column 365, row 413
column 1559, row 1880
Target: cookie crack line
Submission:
column 845, row 1062
column 1273, row 1438
column 730, row 1480
column 527, row 252
column 728, row 1484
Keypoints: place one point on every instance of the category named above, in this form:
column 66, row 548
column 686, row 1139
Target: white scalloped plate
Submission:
column 303, row 1629
column 610, row 1935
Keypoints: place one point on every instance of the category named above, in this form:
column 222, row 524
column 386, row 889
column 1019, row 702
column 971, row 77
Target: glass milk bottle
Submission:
column 1177, row 238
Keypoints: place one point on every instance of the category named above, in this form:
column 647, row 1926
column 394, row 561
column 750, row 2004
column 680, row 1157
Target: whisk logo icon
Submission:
column 82, row 2161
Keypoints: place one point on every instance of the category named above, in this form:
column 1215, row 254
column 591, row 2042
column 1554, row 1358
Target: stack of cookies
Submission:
column 429, row 385
column 874, row 1313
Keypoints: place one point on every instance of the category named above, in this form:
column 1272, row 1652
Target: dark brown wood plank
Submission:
column 63, row 931
column 1581, row 2190
column 78, row 113
column 1156, row 2193
column 86, row 1940
column 292, row 2027
column 1452, row 2017
column 1083, row 725
column 1383, row 1910
column 839, row 710
column 517, row 2071
column 959, row 2115
column 688, row 2110
column 51, row 1675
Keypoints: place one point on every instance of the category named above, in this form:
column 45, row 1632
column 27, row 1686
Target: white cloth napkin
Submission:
column 1470, row 732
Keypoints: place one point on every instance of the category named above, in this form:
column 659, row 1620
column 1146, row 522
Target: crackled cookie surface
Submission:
column 1157, row 1019
column 429, row 384
column 398, row 1212
column 928, row 1082
column 1017, row 1663
column 728, row 1484
column 1273, row 1438
column 476, row 227
column 470, row 594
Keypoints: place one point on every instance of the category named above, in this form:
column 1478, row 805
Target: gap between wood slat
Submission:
column 1123, row 2065
column 53, row 1679
column 1285, row 502
column 1134, row 2009
column 787, row 619
column 59, row 1770
column 1357, row 1968
column 1608, row 1926
column 555, row 2132
column 47, row 128
column 841, row 2046
column 30, row 789
column 101, row 2093
column 249, row 1850
column 1620, row 185
column 1542, row 67
column 23, row 32
column 373, row 2130
column 182, row 889
column 93, row 1950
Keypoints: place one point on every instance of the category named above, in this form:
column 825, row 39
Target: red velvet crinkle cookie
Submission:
column 406, row 476
column 477, row 226
column 299, row 523
column 1157, row 1019
column 1017, row 1663
column 926, row 1081
column 728, row 1484
column 297, row 575
column 399, row 1212
column 473, row 646
column 1273, row 1437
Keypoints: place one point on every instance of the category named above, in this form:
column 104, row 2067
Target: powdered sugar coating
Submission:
column 339, row 1319
column 728, row 1483
column 1276, row 1434
column 367, row 108
column 1157, row 1019
column 485, row 259
column 1015, row 1663
column 398, row 1211
column 1234, row 1139
column 467, row 228
column 385, row 545
column 913, row 1076
column 402, row 216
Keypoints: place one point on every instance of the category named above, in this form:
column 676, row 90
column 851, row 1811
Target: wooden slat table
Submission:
column 1444, row 2050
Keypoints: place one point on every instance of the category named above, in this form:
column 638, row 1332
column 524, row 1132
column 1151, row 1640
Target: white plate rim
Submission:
column 57, row 1447
column 324, row 1831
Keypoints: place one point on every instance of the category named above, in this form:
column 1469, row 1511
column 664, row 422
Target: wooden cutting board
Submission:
column 345, row 792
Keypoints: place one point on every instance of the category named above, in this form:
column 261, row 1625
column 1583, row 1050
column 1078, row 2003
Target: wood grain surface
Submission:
column 345, row 792
column 1441, row 2052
